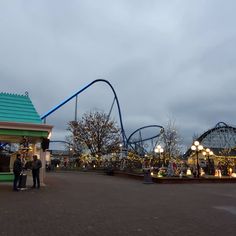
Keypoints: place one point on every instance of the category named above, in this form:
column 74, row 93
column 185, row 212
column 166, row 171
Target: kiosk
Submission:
column 21, row 128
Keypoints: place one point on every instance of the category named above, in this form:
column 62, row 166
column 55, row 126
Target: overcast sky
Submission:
column 166, row 59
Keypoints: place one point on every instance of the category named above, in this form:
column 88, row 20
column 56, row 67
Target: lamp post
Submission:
column 208, row 153
column 197, row 148
column 121, row 150
column 159, row 150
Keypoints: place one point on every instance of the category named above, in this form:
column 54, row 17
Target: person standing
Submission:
column 36, row 165
column 17, row 169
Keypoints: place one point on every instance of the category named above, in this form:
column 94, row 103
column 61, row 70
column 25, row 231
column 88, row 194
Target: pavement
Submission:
column 88, row 203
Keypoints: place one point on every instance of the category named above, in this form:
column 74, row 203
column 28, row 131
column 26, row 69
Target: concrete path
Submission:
column 83, row 203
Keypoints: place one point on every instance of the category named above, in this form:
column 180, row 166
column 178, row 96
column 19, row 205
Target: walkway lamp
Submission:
column 121, row 150
column 197, row 148
column 159, row 150
column 208, row 153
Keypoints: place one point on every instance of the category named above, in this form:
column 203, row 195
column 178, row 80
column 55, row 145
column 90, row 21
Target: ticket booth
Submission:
column 21, row 131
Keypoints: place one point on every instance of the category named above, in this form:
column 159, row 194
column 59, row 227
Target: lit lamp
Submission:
column 208, row 153
column 188, row 172
column 121, row 150
column 159, row 150
column 197, row 148
column 70, row 152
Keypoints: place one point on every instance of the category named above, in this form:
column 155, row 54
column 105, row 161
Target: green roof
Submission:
column 18, row 108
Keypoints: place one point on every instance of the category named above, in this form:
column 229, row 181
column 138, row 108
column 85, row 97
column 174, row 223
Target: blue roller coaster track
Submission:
column 126, row 142
column 124, row 139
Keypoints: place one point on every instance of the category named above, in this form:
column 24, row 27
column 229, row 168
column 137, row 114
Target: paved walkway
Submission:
column 82, row 203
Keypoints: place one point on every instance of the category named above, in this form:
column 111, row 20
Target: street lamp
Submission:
column 159, row 150
column 121, row 150
column 208, row 153
column 197, row 148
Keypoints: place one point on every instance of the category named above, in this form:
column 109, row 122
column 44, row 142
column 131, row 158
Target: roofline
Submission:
column 25, row 126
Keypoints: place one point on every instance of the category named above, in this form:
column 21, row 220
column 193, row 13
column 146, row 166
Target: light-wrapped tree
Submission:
column 172, row 142
column 95, row 131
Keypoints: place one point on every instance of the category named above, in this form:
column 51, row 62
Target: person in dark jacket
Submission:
column 17, row 169
column 36, row 165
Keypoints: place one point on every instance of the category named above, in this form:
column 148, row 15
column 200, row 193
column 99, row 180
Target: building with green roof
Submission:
column 18, row 118
column 20, row 121
column 18, row 108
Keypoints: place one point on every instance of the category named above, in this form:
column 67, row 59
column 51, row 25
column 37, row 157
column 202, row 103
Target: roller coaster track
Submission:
column 43, row 117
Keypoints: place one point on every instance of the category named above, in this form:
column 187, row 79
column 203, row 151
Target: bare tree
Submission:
column 96, row 132
column 72, row 145
column 172, row 141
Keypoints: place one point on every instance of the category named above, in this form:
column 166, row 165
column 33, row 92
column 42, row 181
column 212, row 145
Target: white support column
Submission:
column 43, row 170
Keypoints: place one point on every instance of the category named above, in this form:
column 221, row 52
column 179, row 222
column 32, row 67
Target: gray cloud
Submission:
column 163, row 58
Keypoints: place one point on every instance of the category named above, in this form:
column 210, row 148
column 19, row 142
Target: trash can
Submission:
column 147, row 176
column 110, row 171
